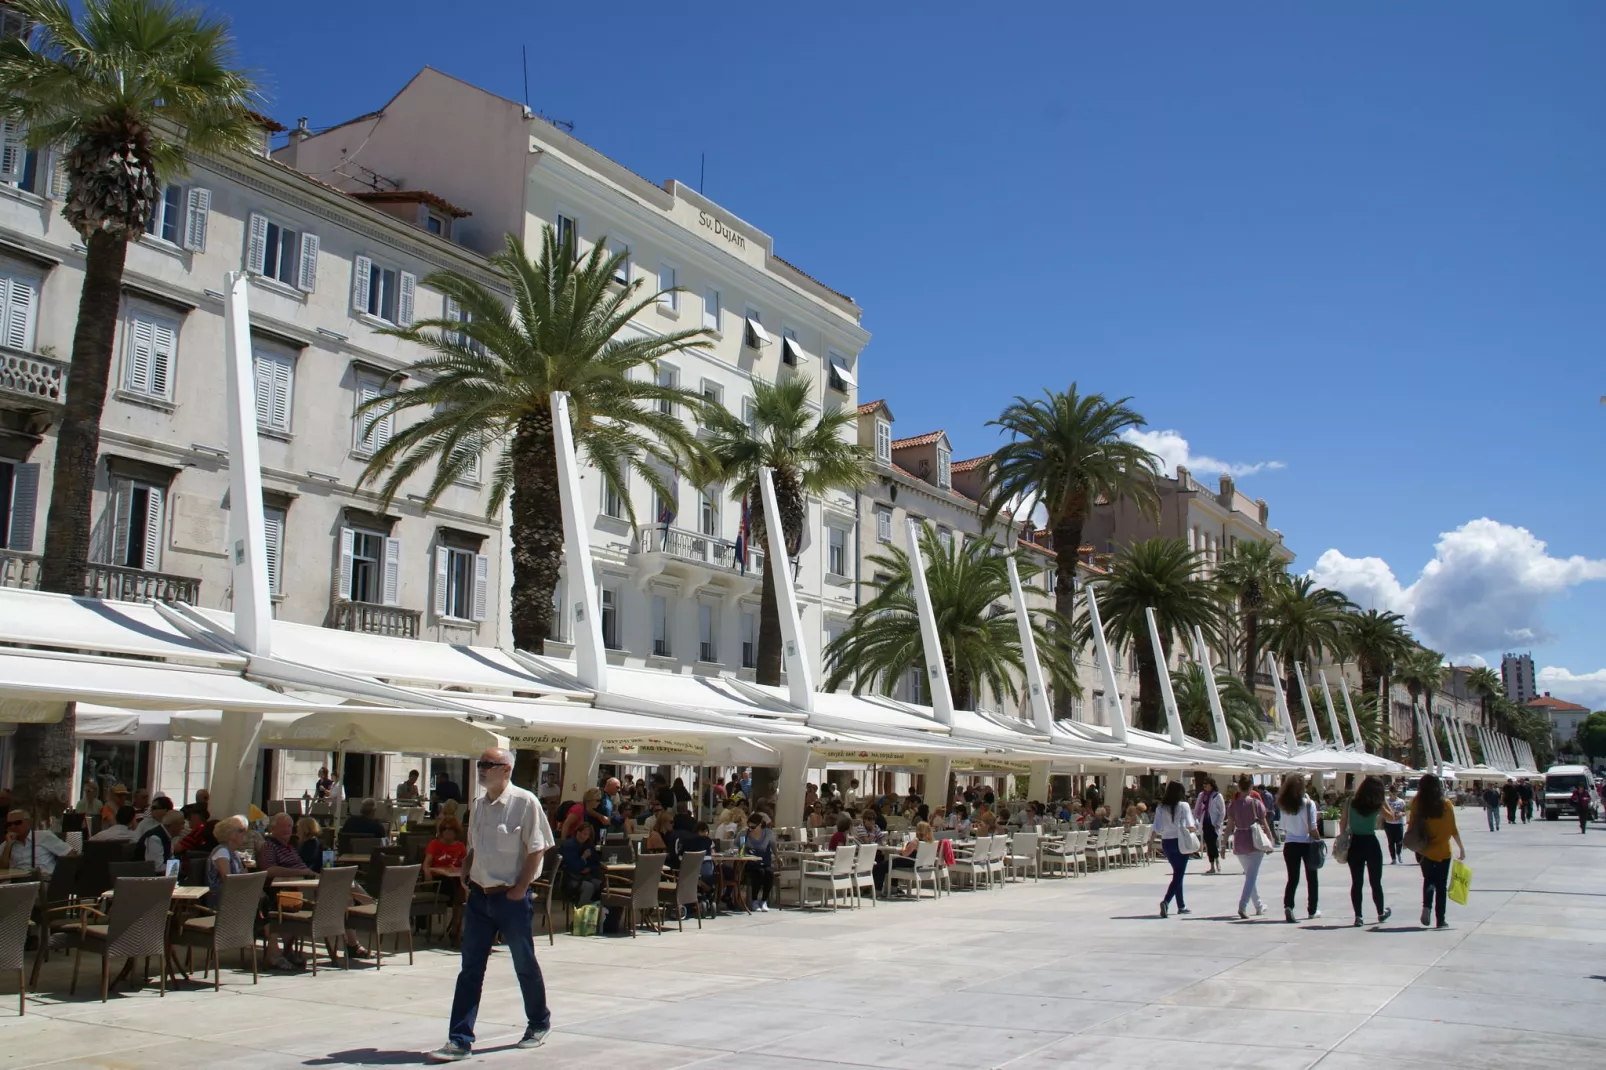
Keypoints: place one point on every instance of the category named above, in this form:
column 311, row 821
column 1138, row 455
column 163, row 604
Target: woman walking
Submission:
column 1211, row 810
column 1365, row 856
column 1394, row 824
column 1243, row 814
column 1435, row 817
column 1300, row 833
column 1171, row 818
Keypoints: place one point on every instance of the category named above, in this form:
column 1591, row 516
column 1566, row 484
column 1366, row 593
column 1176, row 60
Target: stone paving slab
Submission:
column 1035, row 975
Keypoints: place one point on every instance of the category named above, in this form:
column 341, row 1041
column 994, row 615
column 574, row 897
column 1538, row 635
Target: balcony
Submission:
column 702, row 559
column 375, row 619
column 105, row 581
column 32, row 378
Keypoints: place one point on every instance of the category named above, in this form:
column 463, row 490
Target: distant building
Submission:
column 1517, row 673
column 1564, row 716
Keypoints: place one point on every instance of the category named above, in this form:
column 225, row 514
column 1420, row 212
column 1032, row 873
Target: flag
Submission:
column 666, row 511
column 741, row 539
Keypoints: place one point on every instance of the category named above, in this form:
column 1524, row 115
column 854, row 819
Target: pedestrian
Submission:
column 1174, row 820
column 1211, row 810
column 1300, row 834
column 1394, row 824
column 1243, row 814
column 1435, row 817
column 507, row 835
column 1491, row 807
column 1365, row 856
column 1511, row 797
column 1582, row 804
column 1525, row 791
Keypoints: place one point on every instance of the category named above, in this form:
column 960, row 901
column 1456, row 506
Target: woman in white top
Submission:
column 1170, row 817
column 1300, row 832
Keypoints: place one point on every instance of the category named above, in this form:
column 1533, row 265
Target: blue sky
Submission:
column 1368, row 246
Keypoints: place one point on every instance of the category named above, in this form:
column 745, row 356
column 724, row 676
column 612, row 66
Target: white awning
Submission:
column 92, row 625
column 792, row 351
column 756, row 334
column 840, row 366
column 131, row 685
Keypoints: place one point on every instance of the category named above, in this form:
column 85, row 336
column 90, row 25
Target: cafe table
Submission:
column 188, row 894
column 17, row 875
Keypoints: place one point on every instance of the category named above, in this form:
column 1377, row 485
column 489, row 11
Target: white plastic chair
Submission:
column 864, row 873
column 925, row 869
column 997, row 861
column 974, row 866
column 835, row 878
column 1023, row 855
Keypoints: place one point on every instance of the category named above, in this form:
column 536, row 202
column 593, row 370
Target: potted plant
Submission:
column 1330, row 819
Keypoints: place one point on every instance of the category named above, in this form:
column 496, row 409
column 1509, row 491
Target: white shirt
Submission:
column 1297, row 827
column 39, row 850
column 114, row 833
column 502, row 833
column 1166, row 822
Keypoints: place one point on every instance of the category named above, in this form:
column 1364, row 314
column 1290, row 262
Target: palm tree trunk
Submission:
column 789, row 502
column 46, row 752
column 1067, row 543
column 536, row 531
column 1251, row 646
column 769, row 628
column 1149, row 705
column 1385, row 716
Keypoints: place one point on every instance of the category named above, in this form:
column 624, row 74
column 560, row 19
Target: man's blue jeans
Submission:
column 483, row 917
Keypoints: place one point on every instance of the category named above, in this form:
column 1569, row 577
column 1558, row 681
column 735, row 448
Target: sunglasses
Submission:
column 13, row 824
column 483, row 765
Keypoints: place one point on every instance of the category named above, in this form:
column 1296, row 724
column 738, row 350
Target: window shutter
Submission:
column 59, row 180
column 141, row 337
column 361, row 269
column 21, row 302
column 392, row 572
column 13, row 150
column 482, row 586
column 404, row 307
column 360, row 417
column 256, row 247
column 24, row 506
column 197, row 210
column 273, row 527
column 443, row 568
column 348, row 540
column 122, row 507
column 153, row 529
column 283, row 370
column 164, row 345
column 262, row 374
column 308, row 279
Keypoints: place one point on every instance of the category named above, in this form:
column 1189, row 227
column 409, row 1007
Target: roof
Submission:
column 871, row 406
column 1555, row 705
column 412, row 196
column 811, row 278
column 970, row 463
column 918, row 440
column 272, row 126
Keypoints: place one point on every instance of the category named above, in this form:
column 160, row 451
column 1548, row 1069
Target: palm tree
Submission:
column 1251, row 573
column 1304, row 623
column 1366, row 717
column 1377, row 640
column 1487, row 685
column 1162, row 574
column 1245, row 719
column 127, row 93
column 809, row 453
column 488, row 381
column 1068, row 451
column 1422, row 673
column 980, row 636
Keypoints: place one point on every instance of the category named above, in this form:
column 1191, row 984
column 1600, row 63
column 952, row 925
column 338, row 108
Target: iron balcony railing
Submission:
column 702, row 549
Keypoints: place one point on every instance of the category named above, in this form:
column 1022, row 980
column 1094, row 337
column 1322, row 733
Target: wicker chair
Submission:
column 389, row 913
column 54, row 906
column 682, row 891
column 94, row 872
column 231, row 926
column 544, row 886
column 136, row 925
column 17, row 902
column 326, row 921
column 131, row 869
column 640, row 895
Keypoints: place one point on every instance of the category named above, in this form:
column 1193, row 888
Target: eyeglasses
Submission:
column 12, row 824
column 483, row 764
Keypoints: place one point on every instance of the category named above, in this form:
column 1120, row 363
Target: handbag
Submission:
column 1318, row 846
column 1258, row 838
column 1341, row 847
column 1415, row 838
column 1188, row 841
column 1460, row 882
column 587, row 919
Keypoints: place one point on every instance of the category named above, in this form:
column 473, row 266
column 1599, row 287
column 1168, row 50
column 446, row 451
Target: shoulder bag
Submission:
column 1341, row 844
column 1261, row 841
column 1416, row 836
column 1188, row 841
column 1318, row 846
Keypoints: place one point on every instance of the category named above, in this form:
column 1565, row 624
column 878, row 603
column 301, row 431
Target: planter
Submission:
column 1329, row 829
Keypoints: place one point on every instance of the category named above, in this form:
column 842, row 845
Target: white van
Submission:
column 1560, row 780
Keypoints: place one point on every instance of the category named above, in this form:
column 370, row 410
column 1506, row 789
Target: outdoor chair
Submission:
column 1023, row 855
column 1097, row 851
column 390, row 914
column 232, row 926
column 1076, row 851
column 192, row 868
column 544, row 886
column 925, row 869
column 54, row 904
column 681, row 892
column 17, row 902
column 326, row 920
column 94, row 872
column 135, row 926
column 1058, row 853
column 131, row 869
column 975, row 867
column 1139, row 844
column 639, row 896
column 835, row 877
column 359, row 845
column 997, row 861
column 864, row 873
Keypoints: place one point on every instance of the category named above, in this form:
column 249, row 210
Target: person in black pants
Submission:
column 1394, row 824
column 1365, row 855
column 1301, row 832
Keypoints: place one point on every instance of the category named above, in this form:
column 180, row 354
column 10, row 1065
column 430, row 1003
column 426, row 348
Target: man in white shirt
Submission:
column 121, row 830
column 27, row 848
column 161, row 806
column 507, row 834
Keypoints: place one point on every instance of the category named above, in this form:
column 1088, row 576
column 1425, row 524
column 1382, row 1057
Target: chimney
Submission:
column 1227, row 488
column 1184, row 478
column 297, row 136
column 1265, row 510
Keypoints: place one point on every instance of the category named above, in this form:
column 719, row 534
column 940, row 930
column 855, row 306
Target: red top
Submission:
column 446, row 855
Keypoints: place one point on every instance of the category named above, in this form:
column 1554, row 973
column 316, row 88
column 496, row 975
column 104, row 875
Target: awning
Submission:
column 792, row 352
column 130, row 685
column 756, row 335
column 843, row 372
column 37, row 619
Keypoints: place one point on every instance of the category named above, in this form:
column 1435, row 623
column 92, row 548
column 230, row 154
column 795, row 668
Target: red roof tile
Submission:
column 872, row 406
column 917, row 440
column 412, row 196
column 1555, row 705
column 973, row 462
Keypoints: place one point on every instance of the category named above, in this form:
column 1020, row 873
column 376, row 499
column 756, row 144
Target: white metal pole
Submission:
column 942, row 698
column 1217, row 715
column 1304, row 700
column 1101, row 647
column 1332, row 712
column 1354, row 725
column 1168, row 697
column 1042, row 714
column 799, row 672
column 590, row 656
column 1280, row 700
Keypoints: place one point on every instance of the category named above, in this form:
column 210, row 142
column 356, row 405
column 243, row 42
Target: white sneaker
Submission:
column 1260, row 908
column 1313, row 915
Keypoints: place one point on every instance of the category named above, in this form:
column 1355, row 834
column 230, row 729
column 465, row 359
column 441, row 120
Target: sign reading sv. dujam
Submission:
column 722, row 229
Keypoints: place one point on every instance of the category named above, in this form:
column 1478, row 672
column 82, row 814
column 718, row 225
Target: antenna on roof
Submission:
column 702, row 173
column 524, row 59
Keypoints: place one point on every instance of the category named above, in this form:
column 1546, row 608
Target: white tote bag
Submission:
column 1261, row 841
column 1188, row 841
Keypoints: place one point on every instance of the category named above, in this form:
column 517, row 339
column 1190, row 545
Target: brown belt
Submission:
column 494, row 890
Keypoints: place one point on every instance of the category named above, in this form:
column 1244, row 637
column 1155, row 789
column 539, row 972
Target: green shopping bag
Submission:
column 587, row 919
column 1460, row 882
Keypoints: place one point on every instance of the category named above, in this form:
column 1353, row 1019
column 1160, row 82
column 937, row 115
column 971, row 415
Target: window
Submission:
column 750, row 413
column 613, row 503
column 275, row 373
column 150, row 348
column 708, row 513
column 278, row 252
column 469, row 450
column 711, row 310
column 707, row 632
column 791, row 351
column 668, row 297
column 713, row 392
column 371, row 431
column 883, row 525
column 462, row 581
column 841, row 376
column 458, row 314
column 945, row 539
column 13, row 24
column 914, row 682
column 754, row 335
column 660, row 626
column 621, row 271
column 568, row 232
column 749, row 639
column 167, row 217
column 19, row 164
column 669, row 379
column 945, row 477
column 370, row 567
column 836, row 551
column 273, row 521
column 883, row 441
column 180, row 216
column 610, row 619
column 19, row 504
column 135, row 512
column 19, row 309
column 381, row 292
column 1048, row 580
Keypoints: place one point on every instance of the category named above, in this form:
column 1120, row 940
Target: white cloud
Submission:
column 1173, row 449
column 1584, row 688
column 1485, row 589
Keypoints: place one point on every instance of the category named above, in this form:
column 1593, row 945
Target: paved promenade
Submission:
column 1034, row 976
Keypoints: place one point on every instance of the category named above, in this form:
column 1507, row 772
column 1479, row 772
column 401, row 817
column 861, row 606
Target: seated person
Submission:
column 156, row 844
column 121, row 830
column 309, row 843
column 364, row 823
column 843, row 834
column 870, row 831
column 581, row 869
column 446, row 851
column 161, row 806
column 905, row 859
column 225, row 861
column 199, row 837
column 662, row 833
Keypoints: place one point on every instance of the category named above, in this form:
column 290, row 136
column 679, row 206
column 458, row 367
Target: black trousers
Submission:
column 758, row 881
column 1435, row 886
column 1396, row 837
column 1365, row 858
column 1212, row 841
column 1297, row 856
